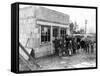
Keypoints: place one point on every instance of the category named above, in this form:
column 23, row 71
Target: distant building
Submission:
column 38, row 26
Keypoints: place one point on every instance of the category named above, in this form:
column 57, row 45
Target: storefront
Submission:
column 38, row 28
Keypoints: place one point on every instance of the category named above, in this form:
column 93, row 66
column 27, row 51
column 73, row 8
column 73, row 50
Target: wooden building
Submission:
column 38, row 26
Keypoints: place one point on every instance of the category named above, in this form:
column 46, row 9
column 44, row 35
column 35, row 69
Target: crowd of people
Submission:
column 70, row 45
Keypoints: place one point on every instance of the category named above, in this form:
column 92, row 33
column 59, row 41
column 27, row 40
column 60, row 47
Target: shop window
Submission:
column 55, row 32
column 63, row 32
column 45, row 34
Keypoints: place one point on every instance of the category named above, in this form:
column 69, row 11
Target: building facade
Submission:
column 38, row 27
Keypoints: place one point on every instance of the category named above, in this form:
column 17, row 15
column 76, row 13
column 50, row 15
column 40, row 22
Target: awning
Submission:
column 52, row 24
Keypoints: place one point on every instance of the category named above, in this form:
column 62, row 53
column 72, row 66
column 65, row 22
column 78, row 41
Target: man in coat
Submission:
column 56, row 45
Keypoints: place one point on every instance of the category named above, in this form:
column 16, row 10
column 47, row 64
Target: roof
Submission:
column 45, row 14
column 52, row 15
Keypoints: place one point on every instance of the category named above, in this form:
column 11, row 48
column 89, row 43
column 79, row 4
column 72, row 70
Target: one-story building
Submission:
column 38, row 26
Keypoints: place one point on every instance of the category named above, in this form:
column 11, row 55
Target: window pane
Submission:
column 55, row 32
column 63, row 31
column 45, row 34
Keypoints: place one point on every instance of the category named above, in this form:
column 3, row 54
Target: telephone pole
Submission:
column 85, row 26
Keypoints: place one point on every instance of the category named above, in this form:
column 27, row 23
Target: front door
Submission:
column 55, row 32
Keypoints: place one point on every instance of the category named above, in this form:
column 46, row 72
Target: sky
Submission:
column 78, row 15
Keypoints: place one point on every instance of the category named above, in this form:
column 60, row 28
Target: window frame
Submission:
column 63, row 31
column 48, row 41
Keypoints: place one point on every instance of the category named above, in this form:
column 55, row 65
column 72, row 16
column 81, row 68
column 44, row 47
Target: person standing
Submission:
column 92, row 47
column 66, row 38
column 74, row 45
column 56, row 45
column 87, row 46
column 83, row 46
column 78, row 43
column 60, row 46
column 70, row 47
column 64, row 46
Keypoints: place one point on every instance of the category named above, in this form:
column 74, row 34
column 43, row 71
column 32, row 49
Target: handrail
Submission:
column 34, row 62
column 26, row 62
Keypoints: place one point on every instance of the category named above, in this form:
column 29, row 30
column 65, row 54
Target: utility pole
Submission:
column 85, row 26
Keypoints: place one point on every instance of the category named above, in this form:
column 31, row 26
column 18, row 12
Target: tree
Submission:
column 75, row 26
column 71, row 28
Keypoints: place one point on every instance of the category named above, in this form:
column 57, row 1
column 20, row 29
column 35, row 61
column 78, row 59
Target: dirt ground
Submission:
column 76, row 61
column 79, row 60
